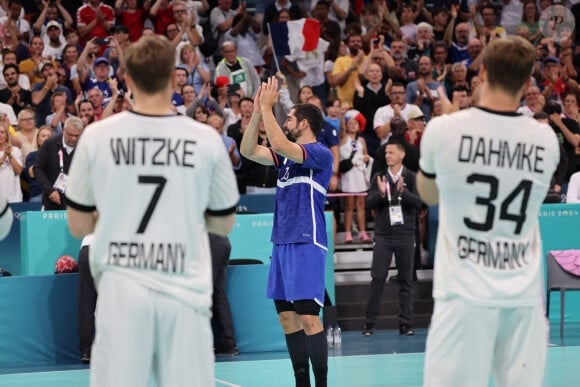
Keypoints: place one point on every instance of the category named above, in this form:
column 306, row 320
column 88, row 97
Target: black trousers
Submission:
column 404, row 250
column 87, row 301
column 222, row 325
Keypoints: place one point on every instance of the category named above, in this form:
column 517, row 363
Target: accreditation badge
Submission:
column 396, row 215
column 61, row 182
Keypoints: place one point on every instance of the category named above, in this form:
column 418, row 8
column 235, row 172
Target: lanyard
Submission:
column 388, row 191
column 60, row 160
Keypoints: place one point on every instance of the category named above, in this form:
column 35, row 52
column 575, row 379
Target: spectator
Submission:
column 9, row 40
column 15, row 16
column 571, row 107
column 353, row 147
column 86, row 112
column 222, row 18
column 232, row 111
column 423, row 91
column 162, row 14
column 41, row 92
column 554, row 80
column 133, row 17
column 488, row 30
column 274, row 8
column 238, row 70
column 397, row 108
column 188, row 95
column 94, row 20
column 408, row 26
column 441, row 68
column 568, row 133
column 399, row 134
column 404, row 70
column 534, row 102
column 188, row 30
column 70, row 56
column 416, row 125
column 236, row 130
column 330, row 30
column 50, row 13
column 180, row 75
column 216, row 122
column 10, row 166
column 368, row 99
column 530, row 17
column 244, row 33
column 198, row 71
column 258, row 178
column 425, row 39
column 95, row 95
column 55, row 41
column 458, row 46
column 60, row 114
column 34, row 191
column 53, row 160
column 101, row 79
column 440, row 22
column 13, row 94
column 27, row 132
column 30, row 66
column 9, row 57
column 511, row 15
column 346, row 69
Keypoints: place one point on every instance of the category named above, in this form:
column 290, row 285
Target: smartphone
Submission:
column 102, row 41
column 376, row 41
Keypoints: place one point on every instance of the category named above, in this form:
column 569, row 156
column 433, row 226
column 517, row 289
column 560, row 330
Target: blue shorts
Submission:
column 297, row 272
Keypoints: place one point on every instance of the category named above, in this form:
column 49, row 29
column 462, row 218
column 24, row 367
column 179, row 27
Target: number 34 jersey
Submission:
column 493, row 171
column 152, row 179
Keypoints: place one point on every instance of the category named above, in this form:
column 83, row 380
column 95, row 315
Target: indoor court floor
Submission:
column 383, row 360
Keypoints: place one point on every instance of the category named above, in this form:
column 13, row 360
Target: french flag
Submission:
column 295, row 36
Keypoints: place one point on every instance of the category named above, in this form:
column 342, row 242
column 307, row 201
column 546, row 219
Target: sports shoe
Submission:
column 233, row 351
column 368, row 330
column 406, row 330
column 363, row 237
column 85, row 358
column 347, row 237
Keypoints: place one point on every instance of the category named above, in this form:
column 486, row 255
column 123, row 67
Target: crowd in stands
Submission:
column 380, row 60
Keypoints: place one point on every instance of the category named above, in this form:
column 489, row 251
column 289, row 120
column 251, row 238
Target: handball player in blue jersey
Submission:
column 296, row 279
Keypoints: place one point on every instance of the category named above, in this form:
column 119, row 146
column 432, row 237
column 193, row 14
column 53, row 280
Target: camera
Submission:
column 102, row 41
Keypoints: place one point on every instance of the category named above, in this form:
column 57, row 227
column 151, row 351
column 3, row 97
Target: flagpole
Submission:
column 273, row 49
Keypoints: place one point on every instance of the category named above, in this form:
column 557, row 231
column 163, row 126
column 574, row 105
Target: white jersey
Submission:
column 152, row 180
column 493, row 171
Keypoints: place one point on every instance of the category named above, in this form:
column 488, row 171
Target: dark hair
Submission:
column 310, row 113
column 398, row 128
column 245, row 99
column 552, row 107
column 397, row 143
column 540, row 116
column 10, row 66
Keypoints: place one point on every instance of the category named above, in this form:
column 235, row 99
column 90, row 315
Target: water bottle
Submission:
column 337, row 334
column 329, row 336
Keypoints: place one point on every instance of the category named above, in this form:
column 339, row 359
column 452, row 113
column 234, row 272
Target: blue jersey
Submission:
column 300, row 197
column 328, row 135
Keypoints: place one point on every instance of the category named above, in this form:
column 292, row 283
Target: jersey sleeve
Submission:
column 79, row 192
column 317, row 156
column 429, row 149
column 223, row 186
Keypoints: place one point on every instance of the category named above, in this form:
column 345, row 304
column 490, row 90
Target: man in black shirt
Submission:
column 13, row 94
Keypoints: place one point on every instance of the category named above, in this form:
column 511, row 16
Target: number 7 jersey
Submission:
column 153, row 179
column 493, row 171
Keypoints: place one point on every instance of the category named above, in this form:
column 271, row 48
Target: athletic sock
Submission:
column 316, row 346
column 296, row 343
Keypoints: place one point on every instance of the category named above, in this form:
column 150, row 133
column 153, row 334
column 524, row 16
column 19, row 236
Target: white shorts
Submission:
column 142, row 333
column 467, row 343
